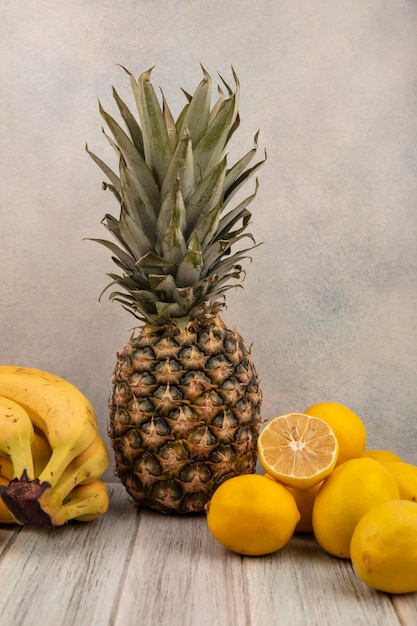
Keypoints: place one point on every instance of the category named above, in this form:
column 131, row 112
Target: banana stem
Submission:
column 21, row 497
column 22, row 461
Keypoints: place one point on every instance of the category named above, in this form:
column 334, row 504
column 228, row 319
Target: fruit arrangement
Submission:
column 185, row 400
column 319, row 478
column 51, row 454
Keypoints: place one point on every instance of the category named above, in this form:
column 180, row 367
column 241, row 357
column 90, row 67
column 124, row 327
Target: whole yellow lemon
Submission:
column 304, row 499
column 405, row 475
column 348, row 428
column 346, row 495
column 384, row 547
column 252, row 514
column 383, row 456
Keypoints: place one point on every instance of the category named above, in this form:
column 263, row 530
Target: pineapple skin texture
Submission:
column 184, row 414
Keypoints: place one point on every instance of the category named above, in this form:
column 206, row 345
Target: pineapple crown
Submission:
column 174, row 235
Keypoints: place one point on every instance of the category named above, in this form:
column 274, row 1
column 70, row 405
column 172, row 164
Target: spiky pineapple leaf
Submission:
column 168, row 310
column 163, row 286
column 171, row 225
column 136, row 201
column 128, row 300
column 135, row 162
column 208, row 194
column 169, row 123
column 232, row 188
column 155, row 134
column 118, row 252
column 113, row 178
column 216, row 108
column 152, row 261
column 207, row 225
column 236, row 121
column 223, row 267
column 113, row 144
column 218, row 294
column 113, row 189
column 210, row 148
column 185, row 295
column 190, row 268
column 173, row 242
column 134, row 281
column 226, row 223
column 181, row 322
column 196, row 114
column 181, row 167
column 233, row 174
column 133, row 127
column 188, row 174
column 147, row 297
column 215, row 251
column 228, row 220
column 140, row 310
column 242, row 163
column 112, row 225
column 127, row 282
column 155, row 280
column 132, row 233
column 202, row 287
column 234, row 235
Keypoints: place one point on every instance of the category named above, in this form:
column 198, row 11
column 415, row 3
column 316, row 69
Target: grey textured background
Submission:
column 330, row 300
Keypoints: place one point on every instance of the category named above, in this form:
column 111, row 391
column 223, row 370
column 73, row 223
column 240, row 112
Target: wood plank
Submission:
column 179, row 576
column 68, row 575
column 406, row 608
column 302, row 585
column 8, row 534
column 132, row 567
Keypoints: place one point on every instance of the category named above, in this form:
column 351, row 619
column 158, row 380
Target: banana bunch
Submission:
column 51, row 453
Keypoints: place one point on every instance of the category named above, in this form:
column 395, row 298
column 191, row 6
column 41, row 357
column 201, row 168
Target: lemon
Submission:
column 252, row 514
column 304, row 499
column 384, row 547
column 346, row 495
column 298, row 450
column 405, row 475
column 383, row 456
column 349, row 429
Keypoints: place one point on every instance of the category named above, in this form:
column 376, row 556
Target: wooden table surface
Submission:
column 140, row 568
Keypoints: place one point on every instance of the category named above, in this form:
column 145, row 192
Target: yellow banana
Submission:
column 41, row 452
column 5, row 516
column 16, row 437
column 87, row 502
column 57, row 408
column 86, row 467
column 84, row 503
column 6, row 468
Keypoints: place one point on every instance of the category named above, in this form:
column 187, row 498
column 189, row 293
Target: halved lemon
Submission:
column 298, row 450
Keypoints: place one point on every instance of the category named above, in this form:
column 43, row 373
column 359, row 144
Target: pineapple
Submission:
column 185, row 400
